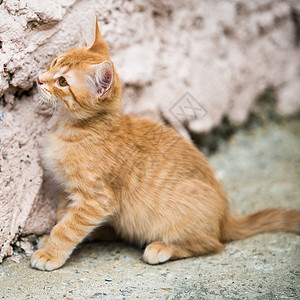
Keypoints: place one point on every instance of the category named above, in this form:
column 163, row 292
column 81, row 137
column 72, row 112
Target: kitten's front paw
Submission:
column 156, row 253
column 44, row 261
column 42, row 242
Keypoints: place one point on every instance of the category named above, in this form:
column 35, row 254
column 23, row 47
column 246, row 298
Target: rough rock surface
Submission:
column 223, row 53
column 21, row 183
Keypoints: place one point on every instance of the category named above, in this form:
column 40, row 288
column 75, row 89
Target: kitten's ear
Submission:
column 102, row 77
column 99, row 45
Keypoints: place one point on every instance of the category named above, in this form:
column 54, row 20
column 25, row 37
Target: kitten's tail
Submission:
column 268, row 220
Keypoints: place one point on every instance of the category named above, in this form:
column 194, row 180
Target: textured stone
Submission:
column 20, row 182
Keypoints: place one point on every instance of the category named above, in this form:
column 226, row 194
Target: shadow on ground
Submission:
column 260, row 168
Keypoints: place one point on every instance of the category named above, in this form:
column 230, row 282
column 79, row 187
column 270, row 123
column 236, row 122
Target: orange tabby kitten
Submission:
column 137, row 177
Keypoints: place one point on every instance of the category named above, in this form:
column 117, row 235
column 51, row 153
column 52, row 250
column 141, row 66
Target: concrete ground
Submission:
column 259, row 167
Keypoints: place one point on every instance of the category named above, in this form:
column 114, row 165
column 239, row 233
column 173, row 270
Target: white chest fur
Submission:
column 72, row 163
column 53, row 154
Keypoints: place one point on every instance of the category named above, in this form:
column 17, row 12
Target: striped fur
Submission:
column 130, row 177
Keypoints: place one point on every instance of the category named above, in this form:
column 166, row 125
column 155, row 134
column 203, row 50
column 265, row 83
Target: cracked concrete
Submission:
column 259, row 167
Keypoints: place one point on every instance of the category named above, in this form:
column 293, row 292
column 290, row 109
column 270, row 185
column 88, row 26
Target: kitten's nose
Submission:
column 39, row 80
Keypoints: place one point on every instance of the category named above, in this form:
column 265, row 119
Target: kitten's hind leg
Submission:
column 157, row 252
column 160, row 252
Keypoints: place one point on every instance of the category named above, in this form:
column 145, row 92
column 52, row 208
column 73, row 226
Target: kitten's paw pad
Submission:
column 42, row 241
column 157, row 253
column 42, row 260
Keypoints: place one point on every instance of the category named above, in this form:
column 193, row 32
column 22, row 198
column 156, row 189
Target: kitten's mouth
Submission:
column 46, row 96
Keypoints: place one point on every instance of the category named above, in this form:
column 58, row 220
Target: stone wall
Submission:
column 191, row 63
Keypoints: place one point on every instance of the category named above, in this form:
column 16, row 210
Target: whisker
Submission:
column 38, row 104
column 55, row 106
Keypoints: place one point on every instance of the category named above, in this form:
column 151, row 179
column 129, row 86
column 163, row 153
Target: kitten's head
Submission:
column 83, row 80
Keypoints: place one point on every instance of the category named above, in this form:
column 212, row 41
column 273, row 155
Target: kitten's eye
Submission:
column 62, row 81
column 53, row 63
